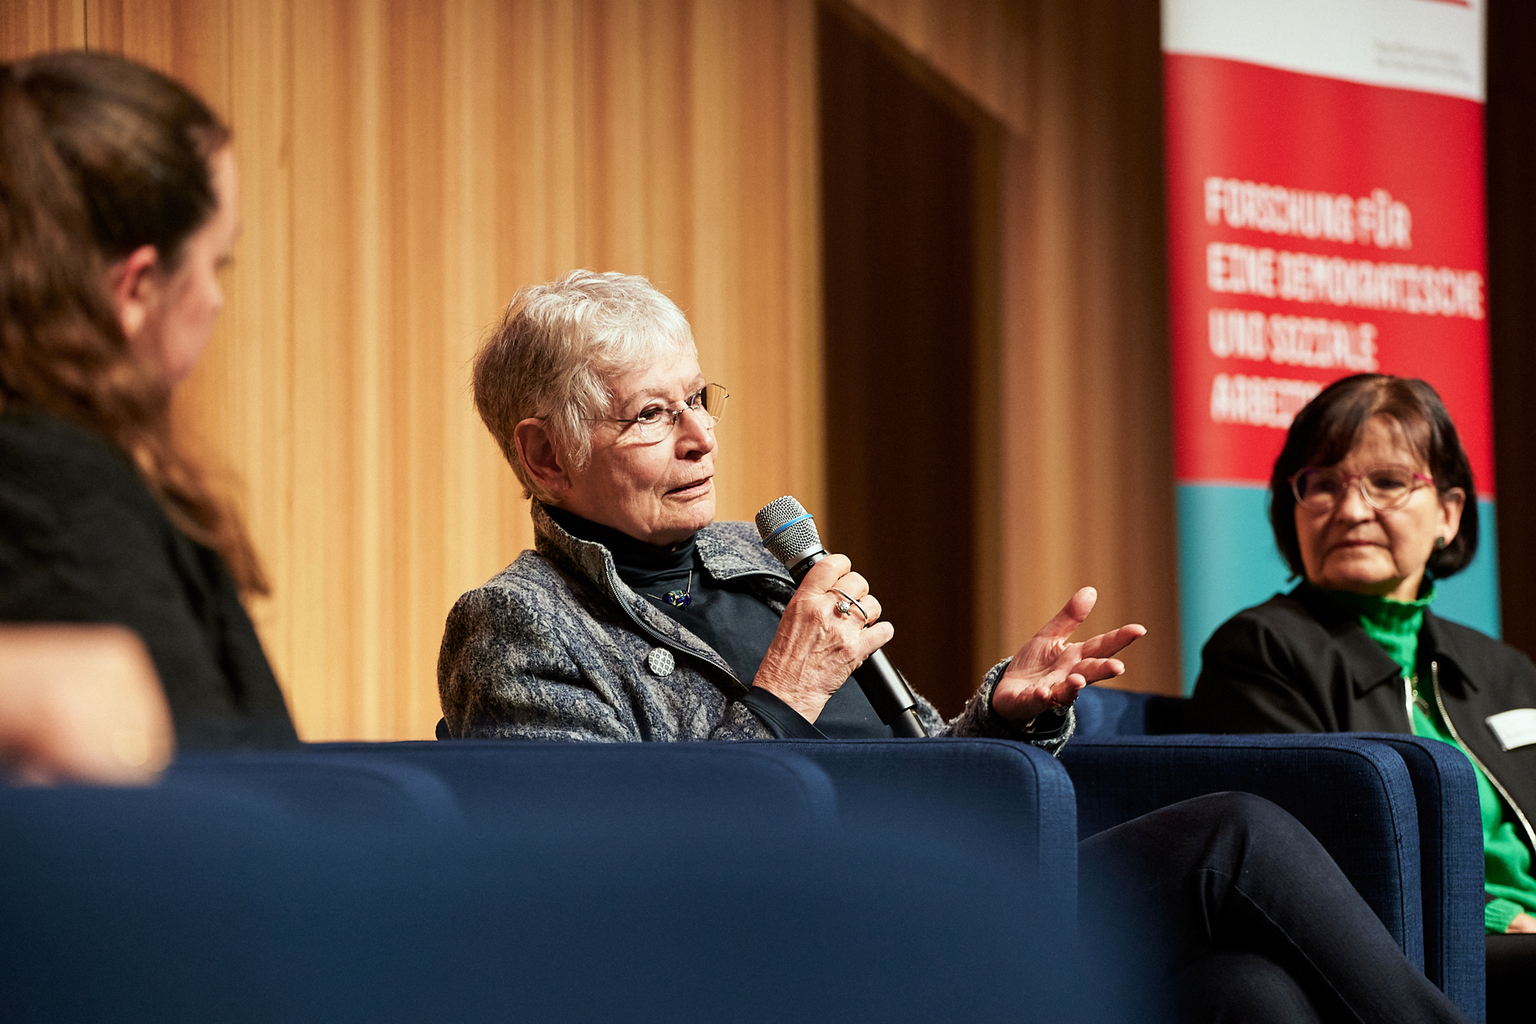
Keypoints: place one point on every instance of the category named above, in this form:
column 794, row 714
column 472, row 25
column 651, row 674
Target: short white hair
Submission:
column 557, row 347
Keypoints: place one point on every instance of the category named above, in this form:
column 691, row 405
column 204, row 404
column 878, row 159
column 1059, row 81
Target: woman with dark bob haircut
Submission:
column 118, row 208
column 1372, row 503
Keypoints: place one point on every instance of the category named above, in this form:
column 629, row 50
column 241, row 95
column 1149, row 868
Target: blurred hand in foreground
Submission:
column 81, row 703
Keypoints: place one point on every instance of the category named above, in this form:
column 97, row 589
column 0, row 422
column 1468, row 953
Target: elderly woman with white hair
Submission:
column 638, row 617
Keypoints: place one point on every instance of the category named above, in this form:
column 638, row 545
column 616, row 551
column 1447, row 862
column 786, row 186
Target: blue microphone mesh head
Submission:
column 788, row 530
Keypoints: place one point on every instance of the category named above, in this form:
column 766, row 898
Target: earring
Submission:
column 1440, row 543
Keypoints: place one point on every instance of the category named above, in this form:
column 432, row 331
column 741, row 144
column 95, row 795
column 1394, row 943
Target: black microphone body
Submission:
column 883, row 686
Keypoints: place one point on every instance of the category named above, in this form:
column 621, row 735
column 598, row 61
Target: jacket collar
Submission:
column 1376, row 666
column 720, row 549
column 593, row 562
column 727, row 554
column 1435, row 641
column 1449, row 646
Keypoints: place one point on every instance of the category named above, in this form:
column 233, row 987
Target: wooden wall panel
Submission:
column 900, row 182
column 1086, row 484
column 27, row 26
column 406, row 166
column 756, row 303
column 982, row 47
column 1085, row 481
column 1088, row 474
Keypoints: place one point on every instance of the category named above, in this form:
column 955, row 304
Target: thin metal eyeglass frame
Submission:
column 677, row 416
column 1357, row 479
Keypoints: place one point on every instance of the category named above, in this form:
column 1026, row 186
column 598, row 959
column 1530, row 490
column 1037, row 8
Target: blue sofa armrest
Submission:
column 1450, row 833
column 1451, row 858
column 1011, row 801
column 1355, row 796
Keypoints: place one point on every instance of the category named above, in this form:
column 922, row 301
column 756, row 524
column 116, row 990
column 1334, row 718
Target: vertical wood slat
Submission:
column 30, row 26
column 756, row 308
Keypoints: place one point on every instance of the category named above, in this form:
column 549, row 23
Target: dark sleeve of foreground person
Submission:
column 83, row 540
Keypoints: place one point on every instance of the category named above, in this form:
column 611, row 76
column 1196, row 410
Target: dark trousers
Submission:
column 1511, row 970
column 1224, row 908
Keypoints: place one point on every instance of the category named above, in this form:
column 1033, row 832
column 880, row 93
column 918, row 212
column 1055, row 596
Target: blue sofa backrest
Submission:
column 685, row 782
column 1010, row 798
column 1105, row 711
column 529, row 882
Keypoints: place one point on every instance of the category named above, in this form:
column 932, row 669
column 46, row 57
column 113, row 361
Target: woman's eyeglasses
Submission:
column 1384, row 488
column 656, row 422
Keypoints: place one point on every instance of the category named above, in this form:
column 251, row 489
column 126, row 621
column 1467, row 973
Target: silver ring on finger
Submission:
column 848, row 604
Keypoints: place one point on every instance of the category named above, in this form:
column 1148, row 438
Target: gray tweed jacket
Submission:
column 557, row 647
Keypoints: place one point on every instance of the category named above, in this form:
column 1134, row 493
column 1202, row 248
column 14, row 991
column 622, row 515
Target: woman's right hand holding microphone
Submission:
column 822, row 637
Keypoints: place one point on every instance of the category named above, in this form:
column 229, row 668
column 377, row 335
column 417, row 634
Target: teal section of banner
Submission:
column 1228, row 562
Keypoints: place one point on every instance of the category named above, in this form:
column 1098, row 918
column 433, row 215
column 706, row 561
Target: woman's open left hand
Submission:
column 1048, row 672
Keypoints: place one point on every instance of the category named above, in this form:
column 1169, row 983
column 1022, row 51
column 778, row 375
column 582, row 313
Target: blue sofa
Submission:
column 1397, row 812
column 475, row 881
column 532, row 882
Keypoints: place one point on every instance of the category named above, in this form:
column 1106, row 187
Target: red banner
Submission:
column 1318, row 228
column 1325, row 218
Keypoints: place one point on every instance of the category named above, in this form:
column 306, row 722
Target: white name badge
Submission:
column 1515, row 728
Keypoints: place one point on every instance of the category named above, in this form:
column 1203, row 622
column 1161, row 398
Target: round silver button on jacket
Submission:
column 661, row 662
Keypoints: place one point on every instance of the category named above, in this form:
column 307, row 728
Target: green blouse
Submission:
column 1506, row 860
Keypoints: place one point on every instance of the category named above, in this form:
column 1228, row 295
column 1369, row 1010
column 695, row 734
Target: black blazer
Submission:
column 83, row 540
column 1300, row 662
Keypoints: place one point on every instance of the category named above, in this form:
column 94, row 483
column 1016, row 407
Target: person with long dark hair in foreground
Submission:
column 118, row 208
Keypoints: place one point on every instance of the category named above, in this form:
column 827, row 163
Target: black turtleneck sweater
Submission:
column 728, row 618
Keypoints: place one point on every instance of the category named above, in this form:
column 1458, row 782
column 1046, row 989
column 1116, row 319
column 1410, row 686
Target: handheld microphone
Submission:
column 789, row 533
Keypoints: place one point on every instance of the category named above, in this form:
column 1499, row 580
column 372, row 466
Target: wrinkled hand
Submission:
column 817, row 647
column 1048, row 672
